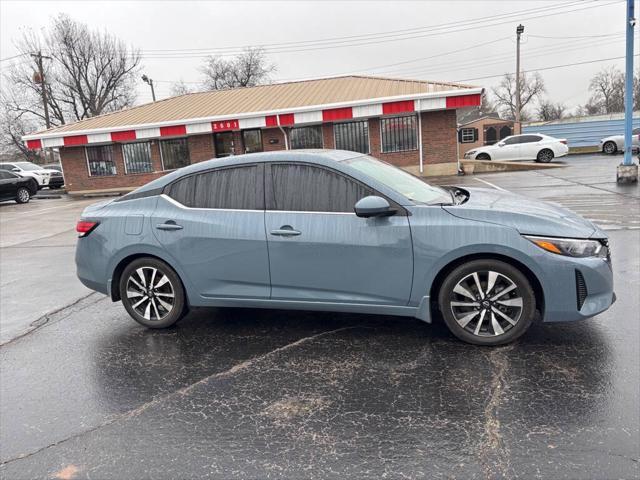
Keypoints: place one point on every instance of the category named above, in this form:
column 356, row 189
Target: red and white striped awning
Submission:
column 286, row 118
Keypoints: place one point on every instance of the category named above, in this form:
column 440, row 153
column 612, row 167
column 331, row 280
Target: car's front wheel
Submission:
column 487, row 302
column 23, row 195
column 152, row 293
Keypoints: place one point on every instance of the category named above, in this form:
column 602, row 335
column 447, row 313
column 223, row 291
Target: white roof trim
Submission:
column 234, row 116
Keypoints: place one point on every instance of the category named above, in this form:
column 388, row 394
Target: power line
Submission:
column 367, row 36
column 544, row 50
column 486, row 61
column 11, row 58
column 548, row 68
column 456, row 27
column 507, row 57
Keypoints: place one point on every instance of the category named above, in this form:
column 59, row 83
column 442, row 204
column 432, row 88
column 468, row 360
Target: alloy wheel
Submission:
column 486, row 303
column 150, row 293
column 23, row 195
column 545, row 156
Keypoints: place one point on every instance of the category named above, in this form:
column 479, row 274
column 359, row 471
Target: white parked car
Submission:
column 615, row 143
column 538, row 147
column 28, row 169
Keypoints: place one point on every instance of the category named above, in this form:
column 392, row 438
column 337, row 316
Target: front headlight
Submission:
column 570, row 247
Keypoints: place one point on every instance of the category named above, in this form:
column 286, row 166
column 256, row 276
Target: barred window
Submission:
column 175, row 153
column 399, row 134
column 100, row 161
column 306, row 137
column 352, row 136
column 467, row 135
column 137, row 157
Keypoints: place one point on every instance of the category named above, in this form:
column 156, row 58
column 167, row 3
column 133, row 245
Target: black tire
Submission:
column 610, row 148
column 156, row 297
column 544, row 156
column 23, row 195
column 477, row 329
column 483, row 156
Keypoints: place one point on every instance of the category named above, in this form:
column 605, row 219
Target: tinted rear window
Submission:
column 229, row 188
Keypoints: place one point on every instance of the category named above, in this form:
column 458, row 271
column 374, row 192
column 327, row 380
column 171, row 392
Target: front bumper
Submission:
column 56, row 181
column 577, row 288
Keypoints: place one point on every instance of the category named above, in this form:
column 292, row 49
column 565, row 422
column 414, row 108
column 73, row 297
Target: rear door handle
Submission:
column 169, row 225
column 285, row 231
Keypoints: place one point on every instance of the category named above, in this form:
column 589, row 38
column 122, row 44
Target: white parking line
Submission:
column 491, row 184
column 19, row 215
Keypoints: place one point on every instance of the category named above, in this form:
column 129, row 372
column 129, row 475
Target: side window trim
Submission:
column 270, row 203
column 166, row 190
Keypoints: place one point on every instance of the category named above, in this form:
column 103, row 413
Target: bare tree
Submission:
column 547, row 110
column 248, row 69
column 88, row 73
column 607, row 90
column 181, row 88
column 531, row 88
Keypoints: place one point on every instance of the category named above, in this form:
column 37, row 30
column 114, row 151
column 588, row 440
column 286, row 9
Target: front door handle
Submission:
column 169, row 225
column 285, row 231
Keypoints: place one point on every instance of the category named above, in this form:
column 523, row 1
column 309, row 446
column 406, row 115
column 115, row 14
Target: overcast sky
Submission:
column 466, row 40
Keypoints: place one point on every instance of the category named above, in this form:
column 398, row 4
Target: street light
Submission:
column 149, row 82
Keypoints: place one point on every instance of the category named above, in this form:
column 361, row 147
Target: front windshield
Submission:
column 402, row 182
column 28, row 166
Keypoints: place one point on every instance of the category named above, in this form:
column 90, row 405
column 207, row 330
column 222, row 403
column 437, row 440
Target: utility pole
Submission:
column 519, row 31
column 149, row 81
column 627, row 170
column 43, row 91
column 43, row 85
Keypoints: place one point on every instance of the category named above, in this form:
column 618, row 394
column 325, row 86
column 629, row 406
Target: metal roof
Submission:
column 264, row 98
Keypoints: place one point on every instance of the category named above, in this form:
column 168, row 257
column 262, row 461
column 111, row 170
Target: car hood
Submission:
column 528, row 216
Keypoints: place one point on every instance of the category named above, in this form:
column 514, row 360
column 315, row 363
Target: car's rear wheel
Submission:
column 483, row 156
column 152, row 293
column 23, row 195
column 610, row 148
column 487, row 302
column 544, row 156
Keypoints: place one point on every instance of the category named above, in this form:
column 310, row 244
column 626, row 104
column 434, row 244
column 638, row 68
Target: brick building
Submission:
column 403, row 122
column 482, row 131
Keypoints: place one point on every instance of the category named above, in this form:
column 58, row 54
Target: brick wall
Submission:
column 439, row 136
column 269, row 134
column 76, row 171
column 201, row 148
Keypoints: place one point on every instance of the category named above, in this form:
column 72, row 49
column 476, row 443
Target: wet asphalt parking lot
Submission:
column 239, row 393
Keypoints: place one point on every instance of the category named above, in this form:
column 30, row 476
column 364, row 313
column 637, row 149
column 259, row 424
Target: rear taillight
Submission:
column 85, row 227
column 563, row 141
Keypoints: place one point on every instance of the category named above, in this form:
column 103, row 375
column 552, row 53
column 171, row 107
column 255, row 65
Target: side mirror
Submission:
column 15, row 169
column 501, row 144
column 373, row 206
